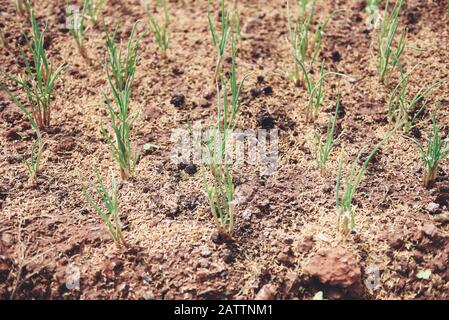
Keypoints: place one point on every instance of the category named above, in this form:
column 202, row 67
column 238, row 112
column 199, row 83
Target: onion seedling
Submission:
column 219, row 186
column 219, row 42
column 33, row 163
column 110, row 213
column 388, row 56
column 120, row 70
column 315, row 90
column 345, row 210
column 39, row 79
column 436, row 151
column 77, row 30
column 301, row 37
column 235, row 20
column 160, row 30
column 94, row 9
column 23, row 7
column 325, row 148
column 403, row 108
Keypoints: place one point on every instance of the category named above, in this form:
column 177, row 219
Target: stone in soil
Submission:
column 178, row 100
column 335, row 267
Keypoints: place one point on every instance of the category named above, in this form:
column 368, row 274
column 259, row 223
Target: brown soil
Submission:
column 284, row 223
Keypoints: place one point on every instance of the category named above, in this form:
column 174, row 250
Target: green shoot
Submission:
column 219, row 42
column 110, row 214
column 94, row 9
column 34, row 162
column 123, row 67
column 302, row 38
column 23, row 7
column 388, row 56
column 436, row 151
column 235, row 20
column 77, row 30
column 160, row 30
column 404, row 109
column 315, row 90
column 39, row 78
column 345, row 210
column 3, row 43
column 219, row 187
column 325, row 148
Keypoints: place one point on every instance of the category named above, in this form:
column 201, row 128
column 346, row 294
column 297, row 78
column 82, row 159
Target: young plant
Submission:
column 219, row 186
column 403, row 108
column 120, row 70
column 436, row 151
column 94, row 9
column 110, row 213
column 345, row 210
column 325, row 147
column 160, row 30
column 388, row 56
column 23, row 7
column 77, row 30
column 302, row 38
column 315, row 90
column 235, row 20
column 39, row 79
column 219, row 42
column 33, row 163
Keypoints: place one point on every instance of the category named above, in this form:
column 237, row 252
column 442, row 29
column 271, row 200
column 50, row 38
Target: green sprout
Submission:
column 33, row 163
column 325, row 147
column 110, row 213
column 403, row 108
column 302, row 38
column 345, row 210
column 436, row 151
column 219, row 186
column 120, row 70
column 39, row 79
column 388, row 56
column 93, row 9
column 219, row 41
column 23, row 6
column 160, row 30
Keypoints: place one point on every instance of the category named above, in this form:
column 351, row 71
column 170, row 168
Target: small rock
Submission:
column 205, row 252
column 148, row 295
column 12, row 135
column 228, row 256
column 433, row 207
column 266, row 121
column 336, row 56
column 336, row 267
column 204, row 103
column 178, row 100
column 267, row 90
column 395, row 240
column 267, row 292
column 254, row 92
column 191, row 169
column 430, row 230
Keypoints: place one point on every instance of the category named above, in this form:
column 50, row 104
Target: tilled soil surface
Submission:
column 286, row 244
